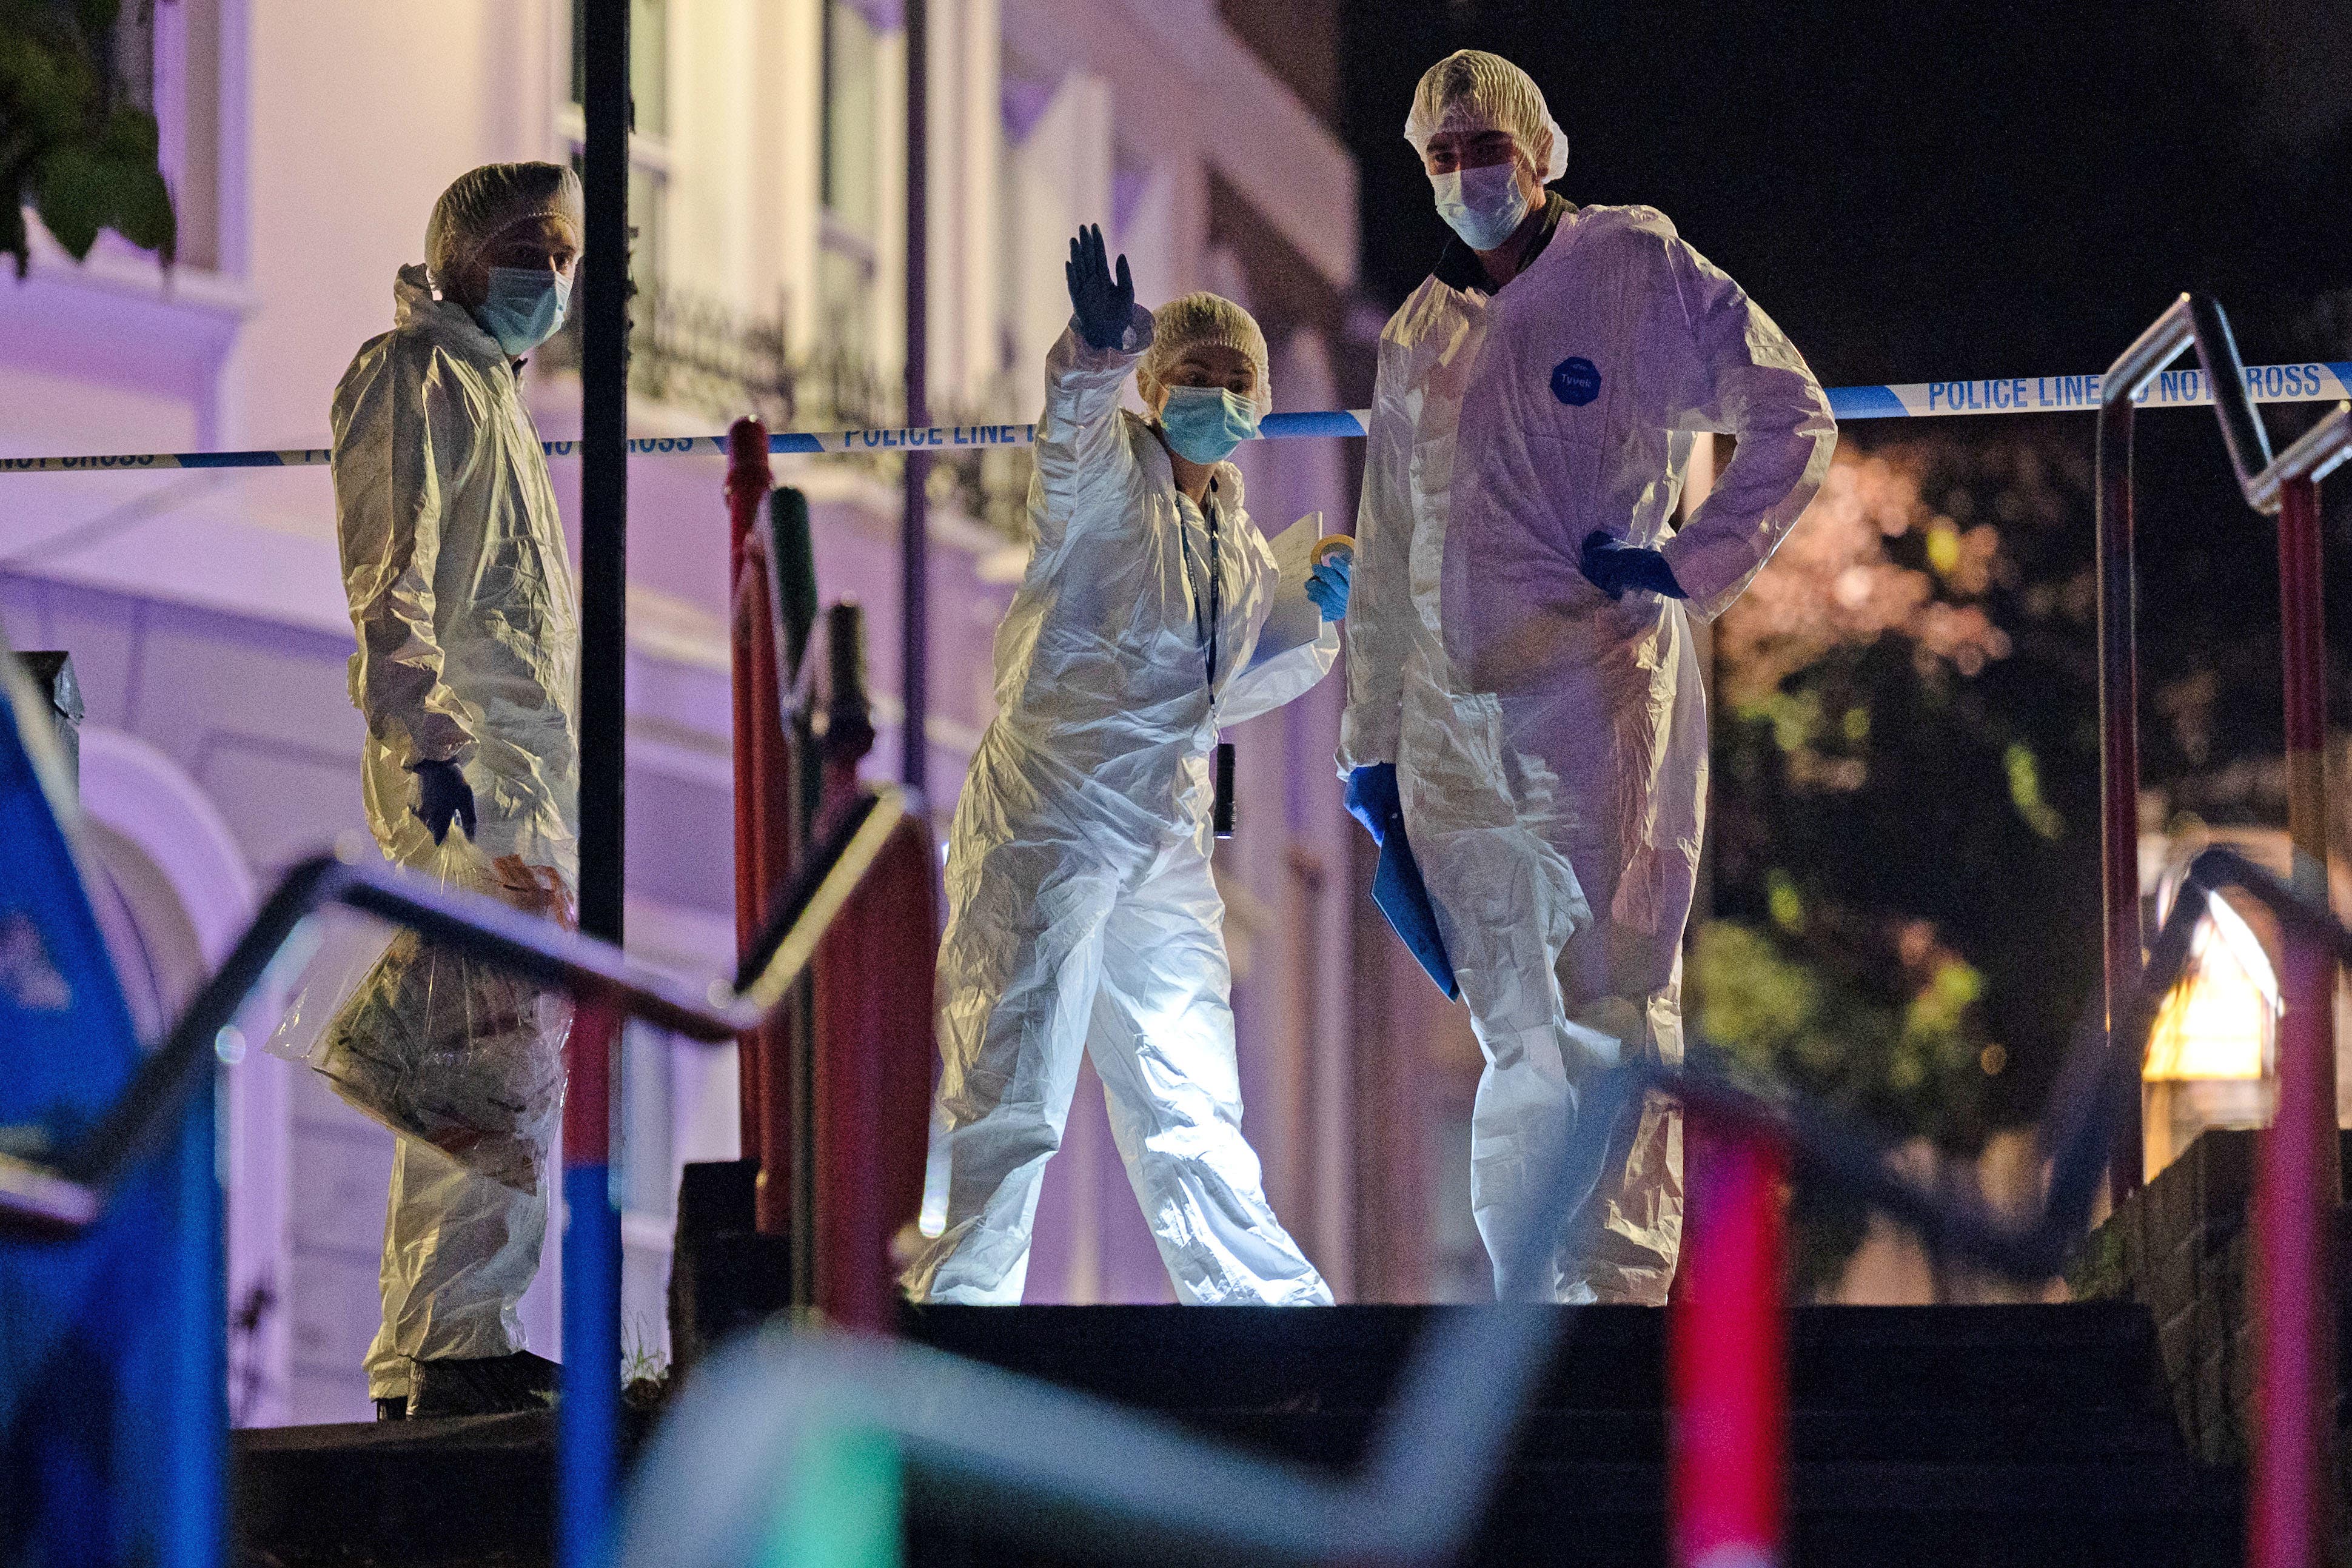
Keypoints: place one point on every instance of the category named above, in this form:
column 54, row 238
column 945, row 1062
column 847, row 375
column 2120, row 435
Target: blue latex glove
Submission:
column 1373, row 800
column 1613, row 566
column 1104, row 307
column 1328, row 585
column 442, row 793
column 1397, row 891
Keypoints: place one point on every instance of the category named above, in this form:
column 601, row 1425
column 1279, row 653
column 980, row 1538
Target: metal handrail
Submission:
column 2272, row 487
column 1011, row 1447
column 60, row 1197
column 1015, row 1451
column 37, row 1200
column 2200, row 319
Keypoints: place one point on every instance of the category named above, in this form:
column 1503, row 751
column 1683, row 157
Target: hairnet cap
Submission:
column 1194, row 322
column 484, row 203
column 1471, row 89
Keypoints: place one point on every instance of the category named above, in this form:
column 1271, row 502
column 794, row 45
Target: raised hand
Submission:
column 1104, row 305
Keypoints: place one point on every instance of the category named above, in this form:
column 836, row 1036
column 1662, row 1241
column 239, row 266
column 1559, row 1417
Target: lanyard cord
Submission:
column 1214, row 598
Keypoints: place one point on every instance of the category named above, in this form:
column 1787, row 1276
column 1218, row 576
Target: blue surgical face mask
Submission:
column 1484, row 206
column 525, row 307
column 1204, row 423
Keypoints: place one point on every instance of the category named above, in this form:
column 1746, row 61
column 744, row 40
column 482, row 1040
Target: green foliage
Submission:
column 1894, row 1045
column 1896, row 1053
column 70, row 147
column 646, row 1381
column 2025, row 791
column 1906, row 810
column 1907, row 756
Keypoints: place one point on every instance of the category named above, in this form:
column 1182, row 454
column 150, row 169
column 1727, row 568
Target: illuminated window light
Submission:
column 2219, row 1021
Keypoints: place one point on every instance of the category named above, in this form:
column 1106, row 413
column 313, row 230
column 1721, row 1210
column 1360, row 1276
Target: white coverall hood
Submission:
column 461, row 597
column 483, row 203
column 1083, row 919
column 1197, row 321
column 1471, row 89
column 1551, row 744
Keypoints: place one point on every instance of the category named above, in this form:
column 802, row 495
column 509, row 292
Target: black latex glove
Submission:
column 1613, row 566
column 442, row 792
column 1104, row 306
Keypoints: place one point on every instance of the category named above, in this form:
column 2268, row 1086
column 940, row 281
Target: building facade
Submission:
column 306, row 142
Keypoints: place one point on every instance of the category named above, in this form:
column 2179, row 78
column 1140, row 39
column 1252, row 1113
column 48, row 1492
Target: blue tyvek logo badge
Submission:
column 1576, row 381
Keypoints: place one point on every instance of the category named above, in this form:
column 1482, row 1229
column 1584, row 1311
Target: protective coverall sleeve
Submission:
column 402, row 437
column 1381, row 611
column 1266, row 684
column 1738, row 374
column 1080, row 449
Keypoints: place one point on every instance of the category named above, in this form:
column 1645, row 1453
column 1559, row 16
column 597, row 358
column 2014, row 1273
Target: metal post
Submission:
column 2119, row 754
column 604, row 465
column 588, row 1419
column 823, row 1105
column 191, row 1407
column 766, row 816
column 2305, row 647
column 2291, row 1481
column 750, row 478
column 2124, row 949
column 588, row 1415
column 914, row 560
column 1728, row 1357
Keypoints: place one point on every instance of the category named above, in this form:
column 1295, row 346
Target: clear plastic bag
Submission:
column 440, row 1047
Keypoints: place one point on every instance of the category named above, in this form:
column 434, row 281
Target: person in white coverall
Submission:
column 461, row 595
column 1083, row 918
column 1520, row 672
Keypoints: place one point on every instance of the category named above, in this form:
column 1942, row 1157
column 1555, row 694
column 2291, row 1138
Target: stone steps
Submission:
column 1964, row 1436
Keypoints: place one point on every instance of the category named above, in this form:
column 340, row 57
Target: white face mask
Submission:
column 1484, row 206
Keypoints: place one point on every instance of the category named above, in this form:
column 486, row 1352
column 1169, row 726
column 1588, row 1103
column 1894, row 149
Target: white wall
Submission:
column 205, row 610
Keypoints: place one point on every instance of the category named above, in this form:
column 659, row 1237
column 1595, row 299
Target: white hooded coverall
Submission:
column 1082, row 914
column 1551, row 744
column 461, row 595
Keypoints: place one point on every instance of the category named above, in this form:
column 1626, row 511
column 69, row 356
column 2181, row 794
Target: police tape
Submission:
column 2315, row 380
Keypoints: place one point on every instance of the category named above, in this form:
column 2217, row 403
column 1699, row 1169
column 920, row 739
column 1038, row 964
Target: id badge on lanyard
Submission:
column 1221, row 771
column 1221, row 802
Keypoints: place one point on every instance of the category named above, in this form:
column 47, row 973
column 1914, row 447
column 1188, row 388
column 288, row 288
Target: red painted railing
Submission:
column 2291, row 1489
column 767, row 825
column 873, row 1078
column 835, row 1089
column 1727, row 1354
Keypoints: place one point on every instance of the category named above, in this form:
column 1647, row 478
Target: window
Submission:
column 649, row 162
column 134, row 54
column 848, row 173
column 847, row 170
column 649, row 62
column 166, row 60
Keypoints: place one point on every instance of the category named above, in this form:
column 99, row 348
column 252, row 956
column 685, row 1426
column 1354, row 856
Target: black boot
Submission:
column 482, row 1385
column 393, row 1409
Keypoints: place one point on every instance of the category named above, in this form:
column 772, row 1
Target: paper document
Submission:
column 1295, row 621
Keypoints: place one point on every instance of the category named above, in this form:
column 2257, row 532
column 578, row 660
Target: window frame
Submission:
column 651, row 156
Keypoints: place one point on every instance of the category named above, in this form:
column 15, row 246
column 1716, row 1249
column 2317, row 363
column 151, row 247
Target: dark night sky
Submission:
column 1924, row 191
